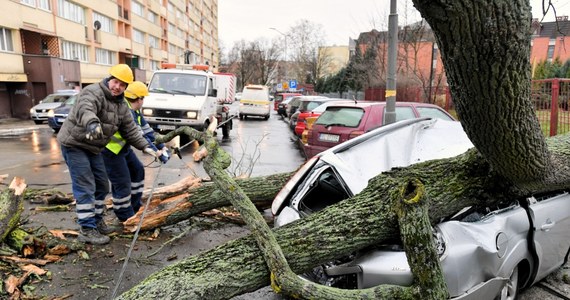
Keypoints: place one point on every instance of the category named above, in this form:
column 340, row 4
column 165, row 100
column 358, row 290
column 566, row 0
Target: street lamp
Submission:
column 285, row 38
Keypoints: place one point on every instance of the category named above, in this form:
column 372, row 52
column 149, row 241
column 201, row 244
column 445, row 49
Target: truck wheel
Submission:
column 241, row 117
column 266, row 117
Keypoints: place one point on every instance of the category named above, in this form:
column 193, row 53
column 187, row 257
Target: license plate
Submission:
column 325, row 137
column 60, row 120
column 166, row 127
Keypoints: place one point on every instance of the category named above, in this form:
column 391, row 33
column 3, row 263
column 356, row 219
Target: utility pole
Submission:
column 285, row 38
column 390, row 114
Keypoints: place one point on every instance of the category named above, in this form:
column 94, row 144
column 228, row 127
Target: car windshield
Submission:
column 70, row 101
column 177, row 83
column 309, row 105
column 341, row 116
column 53, row 98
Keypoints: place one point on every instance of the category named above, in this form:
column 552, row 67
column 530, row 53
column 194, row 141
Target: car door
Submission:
column 551, row 235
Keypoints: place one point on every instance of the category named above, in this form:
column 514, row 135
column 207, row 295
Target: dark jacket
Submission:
column 96, row 103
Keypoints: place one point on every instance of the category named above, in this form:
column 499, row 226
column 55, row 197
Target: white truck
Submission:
column 226, row 86
column 186, row 95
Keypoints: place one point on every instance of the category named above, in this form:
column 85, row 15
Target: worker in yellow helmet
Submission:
column 99, row 112
column 125, row 170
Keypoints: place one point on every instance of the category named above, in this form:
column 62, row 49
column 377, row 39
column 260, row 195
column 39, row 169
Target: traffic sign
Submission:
column 285, row 85
column 293, row 84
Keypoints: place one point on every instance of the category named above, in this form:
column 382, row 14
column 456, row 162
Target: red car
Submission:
column 306, row 108
column 279, row 97
column 342, row 122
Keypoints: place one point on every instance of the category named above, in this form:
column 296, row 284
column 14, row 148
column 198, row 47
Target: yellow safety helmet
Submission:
column 136, row 90
column 122, row 72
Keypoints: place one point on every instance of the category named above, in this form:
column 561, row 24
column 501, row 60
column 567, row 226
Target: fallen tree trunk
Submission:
column 237, row 267
column 174, row 203
column 11, row 206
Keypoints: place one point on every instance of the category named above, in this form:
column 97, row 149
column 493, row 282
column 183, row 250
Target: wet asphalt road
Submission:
column 258, row 147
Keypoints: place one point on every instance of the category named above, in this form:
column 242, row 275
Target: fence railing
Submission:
column 550, row 98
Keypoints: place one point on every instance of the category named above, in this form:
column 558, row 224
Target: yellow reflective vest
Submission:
column 117, row 141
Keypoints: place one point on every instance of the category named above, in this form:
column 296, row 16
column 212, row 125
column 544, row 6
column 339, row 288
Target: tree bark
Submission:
column 11, row 206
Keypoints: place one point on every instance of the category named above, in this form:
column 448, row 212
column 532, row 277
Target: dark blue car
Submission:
column 57, row 115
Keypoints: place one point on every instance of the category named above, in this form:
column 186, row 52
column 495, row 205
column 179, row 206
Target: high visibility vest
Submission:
column 117, row 141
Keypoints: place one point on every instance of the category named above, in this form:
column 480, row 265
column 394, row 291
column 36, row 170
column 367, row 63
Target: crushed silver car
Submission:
column 485, row 253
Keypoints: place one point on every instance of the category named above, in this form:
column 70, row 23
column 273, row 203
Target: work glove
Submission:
column 94, row 131
column 165, row 156
column 150, row 151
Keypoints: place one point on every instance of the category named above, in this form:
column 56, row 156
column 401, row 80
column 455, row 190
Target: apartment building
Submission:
column 50, row 45
column 550, row 40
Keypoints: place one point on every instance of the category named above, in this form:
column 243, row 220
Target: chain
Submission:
column 136, row 232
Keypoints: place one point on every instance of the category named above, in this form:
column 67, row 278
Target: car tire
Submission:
column 266, row 117
column 241, row 117
column 510, row 290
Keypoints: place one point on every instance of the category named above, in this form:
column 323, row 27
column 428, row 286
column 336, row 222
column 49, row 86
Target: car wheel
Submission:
column 241, row 117
column 510, row 290
column 266, row 117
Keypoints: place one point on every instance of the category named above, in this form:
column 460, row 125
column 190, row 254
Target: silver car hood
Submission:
column 396, row 145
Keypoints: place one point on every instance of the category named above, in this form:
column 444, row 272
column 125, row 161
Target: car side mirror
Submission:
column 213, row 93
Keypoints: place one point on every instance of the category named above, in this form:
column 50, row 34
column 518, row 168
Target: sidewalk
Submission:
column 13, row 126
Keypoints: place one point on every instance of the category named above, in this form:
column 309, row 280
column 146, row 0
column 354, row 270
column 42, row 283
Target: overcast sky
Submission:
column 340, row 19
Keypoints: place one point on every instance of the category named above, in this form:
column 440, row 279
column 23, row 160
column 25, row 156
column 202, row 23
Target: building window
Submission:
column 105, row 57
column 6, row 39
column 550, row 54
column 154, row 65
column 74, row 51
column 152, row 17
column 137, row 8
column 153, row 41
column 138, row 36
column 71, row 11
column 43, row 4
column 106, row 22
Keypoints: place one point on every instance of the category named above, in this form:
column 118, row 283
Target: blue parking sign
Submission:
column 293, row 84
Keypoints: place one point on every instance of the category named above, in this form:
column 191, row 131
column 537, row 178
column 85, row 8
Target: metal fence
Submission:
column 550, row 98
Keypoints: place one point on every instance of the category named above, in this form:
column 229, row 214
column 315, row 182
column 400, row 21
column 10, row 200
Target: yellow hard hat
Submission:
column 122, row 72
column 136, row 90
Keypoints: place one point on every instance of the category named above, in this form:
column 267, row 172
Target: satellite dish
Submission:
column 97, row 25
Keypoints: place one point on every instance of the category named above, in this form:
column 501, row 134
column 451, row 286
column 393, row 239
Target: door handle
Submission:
column 547, row 226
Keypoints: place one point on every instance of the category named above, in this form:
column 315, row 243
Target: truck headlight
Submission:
column 147, row 111
column 191, row 115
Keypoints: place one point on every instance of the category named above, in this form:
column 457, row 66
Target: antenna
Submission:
column 97, row 25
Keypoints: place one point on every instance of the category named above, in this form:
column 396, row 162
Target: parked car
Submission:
column 39, row 112
column 282, row 107
column 305, row 108
column 485, row 252
column 57, row 116
column 295, row 102
column 280, row 97
column 313, row 115
column 339, row 123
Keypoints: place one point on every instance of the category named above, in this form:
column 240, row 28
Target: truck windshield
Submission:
column 177, row 83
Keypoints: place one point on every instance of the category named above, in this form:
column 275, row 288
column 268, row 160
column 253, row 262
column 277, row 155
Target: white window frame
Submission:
column 107, row 24
column 74, row 51
column 137, row 8
column 138, row 36
column 105, row 57
column 152, row 17
column 153, row 41
column 71, row 11
column 6, row 43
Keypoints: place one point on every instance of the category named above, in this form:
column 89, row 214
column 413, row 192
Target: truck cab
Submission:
column 183, row 95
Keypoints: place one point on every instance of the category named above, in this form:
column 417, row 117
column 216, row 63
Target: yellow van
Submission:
column 255, row 101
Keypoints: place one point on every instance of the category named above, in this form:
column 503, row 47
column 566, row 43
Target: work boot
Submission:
column 108, row 229
column 92, row 236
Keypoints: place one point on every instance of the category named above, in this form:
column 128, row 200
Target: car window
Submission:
column 312, row 105
column 432, row 112
column 278, row 97
column 341, row 116
column 403, row 113
column 70, row 101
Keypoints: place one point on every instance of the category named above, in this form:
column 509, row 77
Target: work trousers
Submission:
column 126, row 173
column 89, row 184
